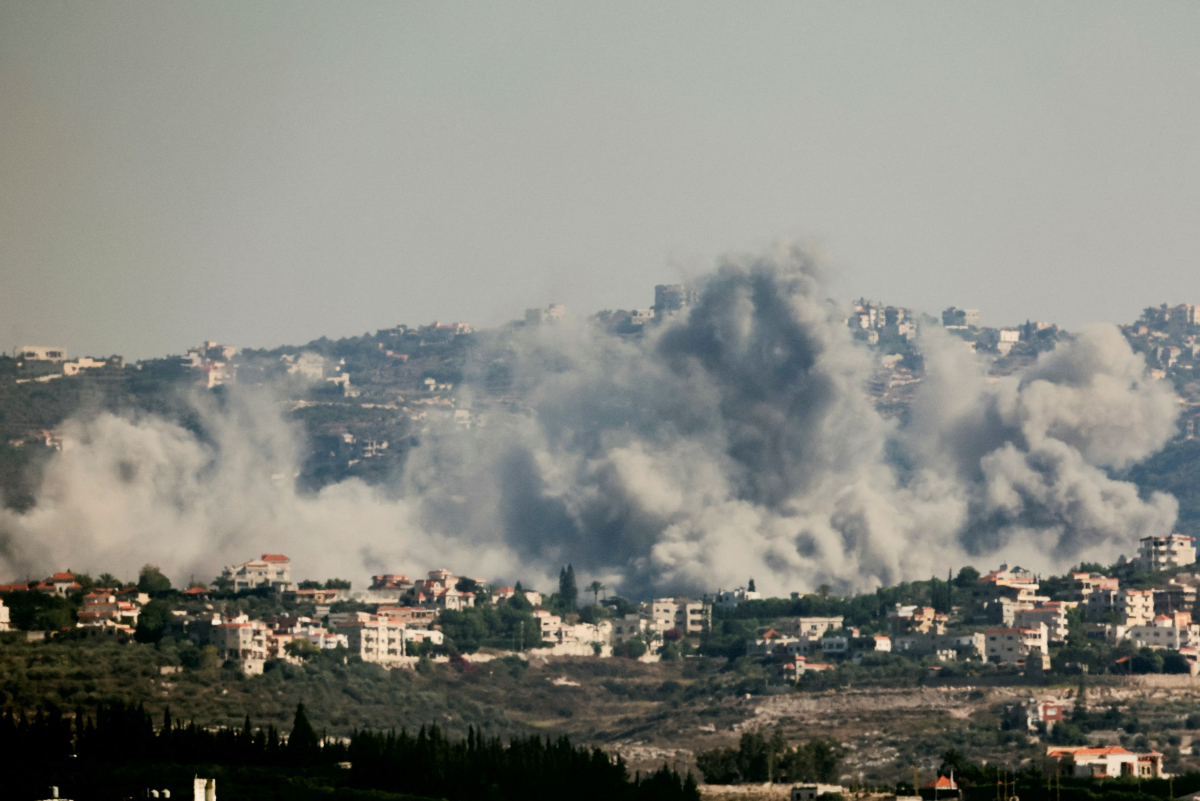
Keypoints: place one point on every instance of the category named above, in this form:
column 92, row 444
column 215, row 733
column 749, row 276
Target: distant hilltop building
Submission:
column 673, row 297
column 211, row 363
column 551, row 314
column 41, row 353
column 955, row 317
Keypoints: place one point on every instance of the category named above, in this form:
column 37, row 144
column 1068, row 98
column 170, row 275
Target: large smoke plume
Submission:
column 734, row 440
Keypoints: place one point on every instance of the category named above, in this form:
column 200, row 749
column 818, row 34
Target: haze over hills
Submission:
column 743, row 426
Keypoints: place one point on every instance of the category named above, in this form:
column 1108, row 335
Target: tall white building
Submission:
column 1163, row 553
column 683, row 614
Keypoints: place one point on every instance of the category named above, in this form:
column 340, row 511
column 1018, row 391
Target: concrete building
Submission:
column 1176, row 596
column 40, row 353
column 553, row 313
column 60, row 584
column 815, row 627
column 1105, row 762
column 916, row 620
column 729, row 599
column 1166, row 632
column 418, row 616
column 102, row 607
column 374, row 639
column 629, row 627
column 1006, row 646
column 273, row 570
column 772, row 644
column 1136, row 607
column 243, row 641
column 955, row 317
column 1053, row 614
column 1096, row 592
column 672, row 298
column 682, row 614
column 947, row 647
column 1164, row 553
column 810, row 792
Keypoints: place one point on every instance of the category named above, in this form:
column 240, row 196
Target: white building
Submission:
column 1136, row 607
column 273, row 570
column 41, row 353
column 815, row 627
column 1052, row 614
column 730, row 598
column 682, row 614
column 1163, row 553
column 1107, row 761
column 5, row 622
column 374, row 639
column 1166, row 633
column 243, row 641
column 1010, row 645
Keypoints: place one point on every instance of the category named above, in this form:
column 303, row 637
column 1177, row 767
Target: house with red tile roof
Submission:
column 273, row 571
column 1106, row 762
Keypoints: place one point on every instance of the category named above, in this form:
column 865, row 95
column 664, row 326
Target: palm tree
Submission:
column 596, row 587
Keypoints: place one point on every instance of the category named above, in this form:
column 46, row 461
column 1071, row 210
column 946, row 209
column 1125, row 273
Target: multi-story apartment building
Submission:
column 241, row 640
column 1169, row 632
column 683, row 614
column 1053, row 615
column 1176, row 596
column 273, row 570
column 1136, row 607
column 1009, row 645
column 374, row 639
column 1163, row 553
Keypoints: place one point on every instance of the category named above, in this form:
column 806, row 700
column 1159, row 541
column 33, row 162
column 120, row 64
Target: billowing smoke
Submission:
column 731, row 441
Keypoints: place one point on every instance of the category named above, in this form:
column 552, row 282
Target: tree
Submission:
column 967, row 577
column 566, row 586
column 303, row 746
column 750, row 586
column 303, row 648
column 337, row 584
column 1077, row 628
column 596, row 587
column 151, row 579
column 152, row 622
column 109, row 581
column 824, row 591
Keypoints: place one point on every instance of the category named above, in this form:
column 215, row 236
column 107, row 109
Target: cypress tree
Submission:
column 303, row 744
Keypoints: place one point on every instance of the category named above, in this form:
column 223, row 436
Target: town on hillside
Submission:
column 363, row 400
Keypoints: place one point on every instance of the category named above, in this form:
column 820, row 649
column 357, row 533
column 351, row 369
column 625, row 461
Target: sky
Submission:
column 264, row 173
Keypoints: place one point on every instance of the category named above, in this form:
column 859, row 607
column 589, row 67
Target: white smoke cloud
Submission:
column 736, row 440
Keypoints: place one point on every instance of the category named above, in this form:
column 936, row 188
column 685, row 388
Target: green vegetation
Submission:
column 69, row 747
column 759, row 759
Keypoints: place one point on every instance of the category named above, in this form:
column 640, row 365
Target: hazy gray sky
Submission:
column 262, row 173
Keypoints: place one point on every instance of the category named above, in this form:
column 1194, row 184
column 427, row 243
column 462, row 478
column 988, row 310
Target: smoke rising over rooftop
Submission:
column 736, row 439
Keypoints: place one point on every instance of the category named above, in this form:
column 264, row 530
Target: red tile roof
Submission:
column 275, row 557
column 62, row 577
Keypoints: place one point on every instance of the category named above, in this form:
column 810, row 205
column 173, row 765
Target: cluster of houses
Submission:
column 403, row 614
column 1024, row 622
column 1011, row 621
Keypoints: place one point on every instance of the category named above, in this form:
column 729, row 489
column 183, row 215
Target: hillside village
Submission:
column 362, row 400
column 1140, row 610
